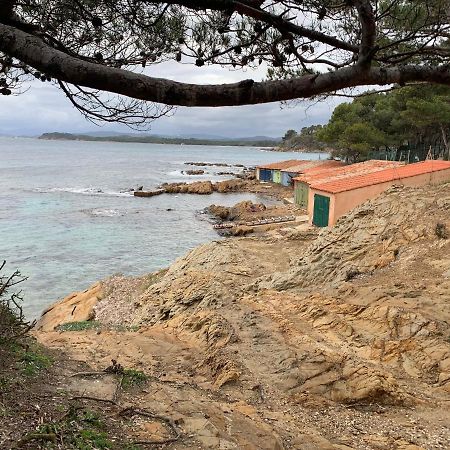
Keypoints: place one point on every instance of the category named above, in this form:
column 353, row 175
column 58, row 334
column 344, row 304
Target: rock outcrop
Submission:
column 293, row 340
column 242, row 210
column 76, row 307
column 197, row 187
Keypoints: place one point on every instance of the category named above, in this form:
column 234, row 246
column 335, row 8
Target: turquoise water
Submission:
column 67, row 221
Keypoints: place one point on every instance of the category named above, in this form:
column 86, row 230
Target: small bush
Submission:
column 12, row 319
column 91, row 439
column 79, row 326
column 32, row 361
column 441, row 231
column 352, row 273
column 82, row 429
column 133, row 377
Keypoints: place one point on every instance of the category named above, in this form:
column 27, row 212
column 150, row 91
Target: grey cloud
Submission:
column 44, row 108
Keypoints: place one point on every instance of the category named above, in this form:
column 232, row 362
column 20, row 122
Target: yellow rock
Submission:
column 76, row 307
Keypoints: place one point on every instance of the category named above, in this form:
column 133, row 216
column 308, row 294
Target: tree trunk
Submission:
column 444, row 138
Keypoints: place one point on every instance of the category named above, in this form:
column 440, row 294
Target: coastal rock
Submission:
column 202, row 187
column 141, row 193
column 201, row 164
column 194, row 172
column 248, row 206
column 76, row 307
column 221, row 212
column 198, row 187
column 239, row 211
column 228, row 186
column 303, row 339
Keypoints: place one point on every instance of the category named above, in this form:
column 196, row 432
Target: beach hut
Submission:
column 330, row 200
column 266, row 172
column 301, row 183
column 289, row 173
column 263, row 174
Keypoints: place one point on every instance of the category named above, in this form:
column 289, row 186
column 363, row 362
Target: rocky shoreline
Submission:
column 295, row 339
column 239, row 184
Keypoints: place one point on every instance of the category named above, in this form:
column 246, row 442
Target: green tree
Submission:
column 357, row 140
column 305, row 140
column 428, row 112
column 289, row 135
column 417, row 115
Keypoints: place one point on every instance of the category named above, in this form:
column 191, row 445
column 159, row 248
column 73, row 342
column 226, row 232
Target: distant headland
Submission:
column 256, row 141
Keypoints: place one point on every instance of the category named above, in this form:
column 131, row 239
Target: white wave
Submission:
column 85, row 191
column 105, row 212
column 175, row 173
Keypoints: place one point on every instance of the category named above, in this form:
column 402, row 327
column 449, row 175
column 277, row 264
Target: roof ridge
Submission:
column 389, row 174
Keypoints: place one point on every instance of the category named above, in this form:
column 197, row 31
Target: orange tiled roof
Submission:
column 280, row 165
column 312, row 165
column 373, row 165
column 382, row 176
column 300, row 166
column 326, row 165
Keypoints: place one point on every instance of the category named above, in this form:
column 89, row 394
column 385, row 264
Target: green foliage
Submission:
column 415, row 114
column 356, row 141
column 289, row 135
column 306, row 140
column 79, row 429
column 13, row 323
column 133, row 378
column 33, row 360
column 91, row 439
column 82, row 429
column 79, row 326
column 94, row 325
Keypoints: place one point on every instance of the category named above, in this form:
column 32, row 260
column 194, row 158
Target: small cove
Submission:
column 67, row 221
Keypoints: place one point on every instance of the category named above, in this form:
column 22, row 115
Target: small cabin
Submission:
column 271, row 171
column 329, row 200
column 302, row 182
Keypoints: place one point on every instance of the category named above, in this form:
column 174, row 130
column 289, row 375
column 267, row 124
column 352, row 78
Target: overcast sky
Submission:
column 43, row 108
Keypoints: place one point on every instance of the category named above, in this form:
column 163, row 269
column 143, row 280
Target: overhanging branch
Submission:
column 36, row 53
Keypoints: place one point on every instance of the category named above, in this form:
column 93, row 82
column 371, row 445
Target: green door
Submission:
column 321, row 210
column 303, row 195
column 297, row 193
column 277, row 176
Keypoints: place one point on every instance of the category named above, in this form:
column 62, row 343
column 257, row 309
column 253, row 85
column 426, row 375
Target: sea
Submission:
column 68, row 217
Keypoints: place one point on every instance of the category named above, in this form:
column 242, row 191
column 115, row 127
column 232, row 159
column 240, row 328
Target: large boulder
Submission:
column 228, row 185
column 200, row 187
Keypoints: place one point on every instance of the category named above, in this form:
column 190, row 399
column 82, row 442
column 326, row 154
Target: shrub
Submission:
column 79, row 326
column 12, row 319
column 441, row 231
column 133, row 377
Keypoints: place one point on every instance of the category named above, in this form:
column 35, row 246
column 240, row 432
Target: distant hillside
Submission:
column 149, row 139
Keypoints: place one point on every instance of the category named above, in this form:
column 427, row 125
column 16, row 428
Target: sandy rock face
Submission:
column 369, row 238
column 293, row 340
column 76, row 307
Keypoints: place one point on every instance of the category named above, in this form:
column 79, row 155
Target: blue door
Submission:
column 265, row 175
